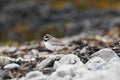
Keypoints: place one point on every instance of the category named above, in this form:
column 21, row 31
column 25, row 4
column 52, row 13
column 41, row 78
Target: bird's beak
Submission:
column 44, row 38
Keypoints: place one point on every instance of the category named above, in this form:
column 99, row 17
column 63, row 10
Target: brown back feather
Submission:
column 55, row 42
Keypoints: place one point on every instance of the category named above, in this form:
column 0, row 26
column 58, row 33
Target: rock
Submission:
column 68, row 71
column 63, row 72
column 35, row 75
column 67, row 59
column 20, row 59
column 43, row 54
column 35, row 52
column 76, row 52
column 5, row 60
column 3, row 49
column 98, row 75
column 48, row 61
column 83, row 50
column 114, row 61
column 35, row 46
column 111, row 72
column 11, row 66
column 24, row 47
column 29, row 57
column 11, row 49
column 8, row 49
column 82, row 54
column 32, row 54
column 21, row 78
column 58, row 56
column 113, row 69
column 95, row 63
column 106, row 54
column 18, row 52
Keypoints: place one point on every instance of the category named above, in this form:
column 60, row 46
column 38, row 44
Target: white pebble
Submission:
column 83, row 50
column 67, row 59
column 35, row 75
column 11, row 66
column 95, row 63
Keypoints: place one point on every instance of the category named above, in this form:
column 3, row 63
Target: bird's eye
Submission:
column 46, row 36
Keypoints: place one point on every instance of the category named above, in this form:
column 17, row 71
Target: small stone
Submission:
column 62, row 72
column 35, row 46
column 20, row 59
column 34, row 75
column 95, row 63
column 32, row 59
column 49, row 60
column 83, row 50
column 24, row 47
column 43, row 54
column 65, row 70
column 114, row 61
column 67, row 59
column 35, row 52
column 5, row 60
column 19, row 52
column 11, row 66
column 2, row 49
column 106, row 54
column 68, row 71
column 11, row 49
column 44, row 63
column 28, row 57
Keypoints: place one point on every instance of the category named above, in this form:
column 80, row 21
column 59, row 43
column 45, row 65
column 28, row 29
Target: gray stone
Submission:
column 106, row 54
column 11, row 66
column 35, row 75
column 5, row 60
column 95, row 63
column 68, row 59
column 48, row 61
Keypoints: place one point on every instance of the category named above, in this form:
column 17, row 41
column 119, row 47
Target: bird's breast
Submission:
column 52, row 47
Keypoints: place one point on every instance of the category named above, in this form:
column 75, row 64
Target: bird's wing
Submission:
column 55, row 42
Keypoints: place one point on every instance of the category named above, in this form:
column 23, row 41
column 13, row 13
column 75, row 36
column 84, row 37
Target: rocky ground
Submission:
column 90, row 57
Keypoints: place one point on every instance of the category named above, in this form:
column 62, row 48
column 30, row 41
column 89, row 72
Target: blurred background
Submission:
column 26, row 20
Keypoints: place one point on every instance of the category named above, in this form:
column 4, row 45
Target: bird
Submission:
column 52, row 43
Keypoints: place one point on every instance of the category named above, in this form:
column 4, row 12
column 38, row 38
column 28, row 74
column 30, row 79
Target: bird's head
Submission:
column 47, row 37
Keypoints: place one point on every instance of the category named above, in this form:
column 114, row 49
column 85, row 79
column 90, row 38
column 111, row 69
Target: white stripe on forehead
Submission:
column 47, row 37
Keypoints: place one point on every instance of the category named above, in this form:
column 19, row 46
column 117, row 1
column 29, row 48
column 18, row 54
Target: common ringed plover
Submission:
column 53, row 43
